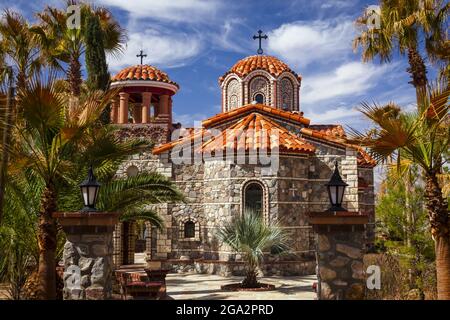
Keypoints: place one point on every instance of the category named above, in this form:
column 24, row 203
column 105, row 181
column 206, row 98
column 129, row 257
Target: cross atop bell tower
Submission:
column 260, row 36
column 141, row 55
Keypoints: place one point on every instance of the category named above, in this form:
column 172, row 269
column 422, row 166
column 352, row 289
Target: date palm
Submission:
column 403, row 25
column 250, row 236
column 132, row 196
column 67, row 45
column 421, row 137
column 46, row 145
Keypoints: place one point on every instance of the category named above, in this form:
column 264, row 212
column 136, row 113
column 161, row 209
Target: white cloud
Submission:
column 336, row 4
column 304, row 42
column 331, row 115
column 353, row 78
column 189, row 120
column 169, row 10
column 164, row 48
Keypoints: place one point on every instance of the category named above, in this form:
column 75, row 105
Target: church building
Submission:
column 260, row 153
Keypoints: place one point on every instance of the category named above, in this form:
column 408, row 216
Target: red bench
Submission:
column 135, row 285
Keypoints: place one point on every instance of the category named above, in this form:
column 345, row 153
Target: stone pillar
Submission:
column 350, row 175
column 340, row 251
column 123, row 108
column 164, row 105
column 88, row 263
column 137, row 113
column 114, row 111
column 146, row 105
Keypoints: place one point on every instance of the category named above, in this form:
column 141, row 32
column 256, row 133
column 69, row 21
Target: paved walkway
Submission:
column 207, row 287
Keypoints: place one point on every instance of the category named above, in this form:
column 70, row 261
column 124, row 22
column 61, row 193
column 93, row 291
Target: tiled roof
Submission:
column 254, row 133
column 364, row 159
column 334, row 130
column 259, row 62
column 142, row 72
column 194, row 134
column 251, row 133
column 261, row 108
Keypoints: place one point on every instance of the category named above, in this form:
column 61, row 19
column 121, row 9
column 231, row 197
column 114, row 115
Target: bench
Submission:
column 135, row 285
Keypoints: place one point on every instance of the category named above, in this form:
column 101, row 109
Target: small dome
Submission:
column 272, row 65
column 142, row 72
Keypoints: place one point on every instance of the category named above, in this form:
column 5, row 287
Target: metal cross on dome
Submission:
column 142, row 55
column 260, row 37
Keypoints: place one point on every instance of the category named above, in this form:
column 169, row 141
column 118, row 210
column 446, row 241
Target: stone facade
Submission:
column 88, row 254
column 215, row 187
column 340, row 251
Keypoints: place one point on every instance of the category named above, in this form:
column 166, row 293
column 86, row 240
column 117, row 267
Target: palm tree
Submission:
column 45, row 146
column 249, row 235
column 421, row 137
column 19, row 45
column 63, row 44
column 402, row 23
column 134, row 197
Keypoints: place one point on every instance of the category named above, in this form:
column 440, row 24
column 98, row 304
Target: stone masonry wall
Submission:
column 92, row 254
column 340, row 253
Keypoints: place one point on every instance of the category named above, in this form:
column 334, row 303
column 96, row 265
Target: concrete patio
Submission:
column 207, row 287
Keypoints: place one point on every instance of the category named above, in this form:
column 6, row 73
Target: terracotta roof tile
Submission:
column 233, row 114
column 259, row 62
column 338, row 136
column 251, row 133
column 333, row 130
column 142, row 72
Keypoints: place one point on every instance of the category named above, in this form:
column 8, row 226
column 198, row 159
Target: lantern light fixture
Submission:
column 336, row 187
column 89, row 191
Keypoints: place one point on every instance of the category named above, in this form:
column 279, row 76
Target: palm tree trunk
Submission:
column 439, row 220
column 250, row 280
column 74, row 75
column 443, row 267
column 47, row 245
column 418, row 71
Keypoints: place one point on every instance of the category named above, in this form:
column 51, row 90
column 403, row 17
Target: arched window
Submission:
column 254, row 198
column 259, row 90
column 286, row 94
column 259, row 98
column 189, row 229
column 233, row 94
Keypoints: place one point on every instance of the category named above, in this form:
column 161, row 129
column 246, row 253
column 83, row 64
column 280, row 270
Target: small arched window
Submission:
column 189, row 229
column 254, row 198
column 132, row 171
column 259, row 98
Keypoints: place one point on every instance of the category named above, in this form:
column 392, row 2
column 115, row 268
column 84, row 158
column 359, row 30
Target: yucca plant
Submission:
column 250, row 236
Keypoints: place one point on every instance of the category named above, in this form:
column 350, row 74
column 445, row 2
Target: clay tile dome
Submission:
column 272, row 65
column 142, row 73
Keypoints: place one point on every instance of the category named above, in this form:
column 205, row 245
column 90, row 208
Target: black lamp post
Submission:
column 336, row 187
column 89, row 191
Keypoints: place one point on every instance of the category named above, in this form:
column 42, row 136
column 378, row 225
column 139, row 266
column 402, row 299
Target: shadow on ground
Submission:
column 207, row 287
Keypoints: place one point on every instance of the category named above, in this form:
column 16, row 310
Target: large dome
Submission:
column 142, row 73
column 272, row 65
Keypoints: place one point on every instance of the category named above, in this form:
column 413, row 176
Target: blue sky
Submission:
column 197, row 41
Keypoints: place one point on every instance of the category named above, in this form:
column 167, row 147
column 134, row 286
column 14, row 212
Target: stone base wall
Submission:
column 225, row 269
column 91, row 254
column 340, row 254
